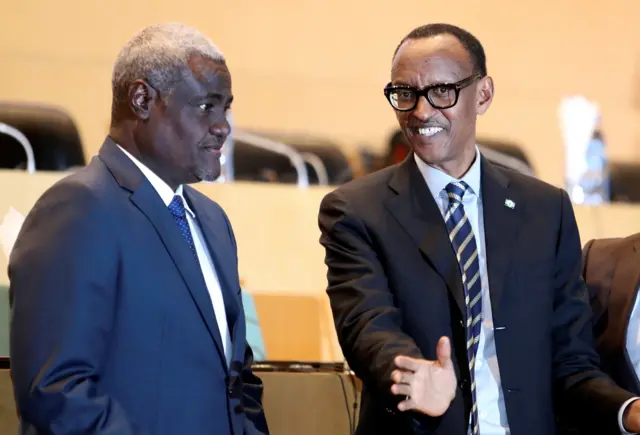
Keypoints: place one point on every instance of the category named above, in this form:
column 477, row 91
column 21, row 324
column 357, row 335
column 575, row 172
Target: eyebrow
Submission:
column 214, row 96
column 211, row 95
column 439, row 82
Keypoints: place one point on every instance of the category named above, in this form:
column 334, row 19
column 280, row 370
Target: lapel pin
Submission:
column 509, row 203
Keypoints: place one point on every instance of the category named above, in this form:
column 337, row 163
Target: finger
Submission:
column 407, row 363
column 444, row 352
column 401, row 389
column 401, row 376
column 406, row 405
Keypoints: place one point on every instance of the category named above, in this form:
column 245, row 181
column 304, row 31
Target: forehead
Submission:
column 438, row 59
column 207, row 77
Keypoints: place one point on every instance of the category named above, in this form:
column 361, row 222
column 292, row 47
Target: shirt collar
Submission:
column 437, row 180
column 163, row 189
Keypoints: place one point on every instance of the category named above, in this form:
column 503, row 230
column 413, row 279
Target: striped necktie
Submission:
column 464, row 245
column 177, row 209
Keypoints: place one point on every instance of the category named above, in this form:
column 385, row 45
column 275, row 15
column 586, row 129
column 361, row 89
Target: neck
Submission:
column 458, row 167
column 124, row 137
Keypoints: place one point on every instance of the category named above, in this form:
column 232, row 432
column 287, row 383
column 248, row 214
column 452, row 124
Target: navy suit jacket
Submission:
column 112, row 327
column 395, row 289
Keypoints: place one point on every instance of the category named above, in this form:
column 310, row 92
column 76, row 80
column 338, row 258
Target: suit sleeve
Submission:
column 252, row 389
column 63, row 277
column 585, row 258
column 255, row 422
column 367, row 321
column 585, row 393
column 595, row 288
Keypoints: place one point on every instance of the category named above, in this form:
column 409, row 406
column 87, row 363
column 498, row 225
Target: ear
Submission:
column 484, row 95
column 141, row 99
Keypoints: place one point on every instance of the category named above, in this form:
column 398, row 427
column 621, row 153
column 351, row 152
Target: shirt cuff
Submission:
column 623, row 408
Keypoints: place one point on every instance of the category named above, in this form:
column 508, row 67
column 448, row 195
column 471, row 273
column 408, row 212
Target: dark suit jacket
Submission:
column 395, row 288
column 112, row 327
column 612, row 273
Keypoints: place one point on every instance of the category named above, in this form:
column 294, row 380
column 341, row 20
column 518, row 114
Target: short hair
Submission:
column 470, row 43
column 159, row 54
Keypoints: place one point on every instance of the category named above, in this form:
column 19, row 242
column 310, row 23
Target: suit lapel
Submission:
column 624, row 289
column 220, row 250
column 413, row 206
column 147, row 200
column 501, row 226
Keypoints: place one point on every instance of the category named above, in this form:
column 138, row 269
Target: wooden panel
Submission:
column 296, row 328
column 8, row 416
column 310, row 403
column 327, row 80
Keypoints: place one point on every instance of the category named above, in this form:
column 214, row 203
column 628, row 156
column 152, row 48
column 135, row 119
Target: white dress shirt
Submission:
column 204, row 257
column 633, row 337
column 633, row 348
column 492, row 414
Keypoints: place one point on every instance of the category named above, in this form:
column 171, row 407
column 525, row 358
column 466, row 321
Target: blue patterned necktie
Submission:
column 464, row 245
column 176, row 207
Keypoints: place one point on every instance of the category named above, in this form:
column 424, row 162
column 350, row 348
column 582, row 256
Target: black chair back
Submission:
column 51, row 132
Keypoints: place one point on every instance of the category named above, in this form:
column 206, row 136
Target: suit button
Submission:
column 464, row 384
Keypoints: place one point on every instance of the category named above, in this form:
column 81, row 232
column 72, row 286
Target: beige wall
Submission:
column 319, row 65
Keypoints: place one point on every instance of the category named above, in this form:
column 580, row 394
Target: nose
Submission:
column 221, row 129
column 423, row 110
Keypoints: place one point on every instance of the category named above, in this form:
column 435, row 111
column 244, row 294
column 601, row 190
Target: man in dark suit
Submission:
column 610, row 270
column 612, row 273
column 455, row 285
column 127, row 315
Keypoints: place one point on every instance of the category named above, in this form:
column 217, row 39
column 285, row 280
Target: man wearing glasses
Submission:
column 455, row 285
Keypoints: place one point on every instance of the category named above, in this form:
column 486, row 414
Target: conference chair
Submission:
column 49, row 130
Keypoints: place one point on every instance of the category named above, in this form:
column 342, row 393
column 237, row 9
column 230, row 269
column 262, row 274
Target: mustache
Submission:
column 429, row 123
column 416, row 126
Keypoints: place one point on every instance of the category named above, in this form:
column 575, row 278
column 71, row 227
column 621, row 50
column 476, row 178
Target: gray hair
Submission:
column 159, row 54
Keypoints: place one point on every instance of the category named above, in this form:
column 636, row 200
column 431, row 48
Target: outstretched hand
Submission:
column 429, row 386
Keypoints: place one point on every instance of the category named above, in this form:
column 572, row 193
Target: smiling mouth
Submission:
column 429, row 131
column 212, row 148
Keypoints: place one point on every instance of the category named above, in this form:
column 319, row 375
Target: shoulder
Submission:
column 543, row 201
column 532, row 187
column 87, row 189
column 73, row 214
column 609, row 247
column 363, row 192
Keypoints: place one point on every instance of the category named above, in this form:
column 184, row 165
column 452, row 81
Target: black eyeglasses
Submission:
column 441, row 96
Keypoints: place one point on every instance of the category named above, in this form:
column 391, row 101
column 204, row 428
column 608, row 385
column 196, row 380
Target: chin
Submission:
column 208, row 174
column 430, row 151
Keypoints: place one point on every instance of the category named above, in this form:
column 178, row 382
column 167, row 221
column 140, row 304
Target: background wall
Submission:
column 319, row 66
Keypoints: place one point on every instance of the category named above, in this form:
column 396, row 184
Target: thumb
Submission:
column 444, row 353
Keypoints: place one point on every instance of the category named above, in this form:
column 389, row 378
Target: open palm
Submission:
column 429, row 386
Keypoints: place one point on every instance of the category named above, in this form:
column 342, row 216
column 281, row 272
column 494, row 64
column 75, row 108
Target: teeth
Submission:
column 429, row 131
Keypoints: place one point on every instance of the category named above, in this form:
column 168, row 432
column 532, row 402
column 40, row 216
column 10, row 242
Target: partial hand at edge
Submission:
column 430, row 386
column 631, row 418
